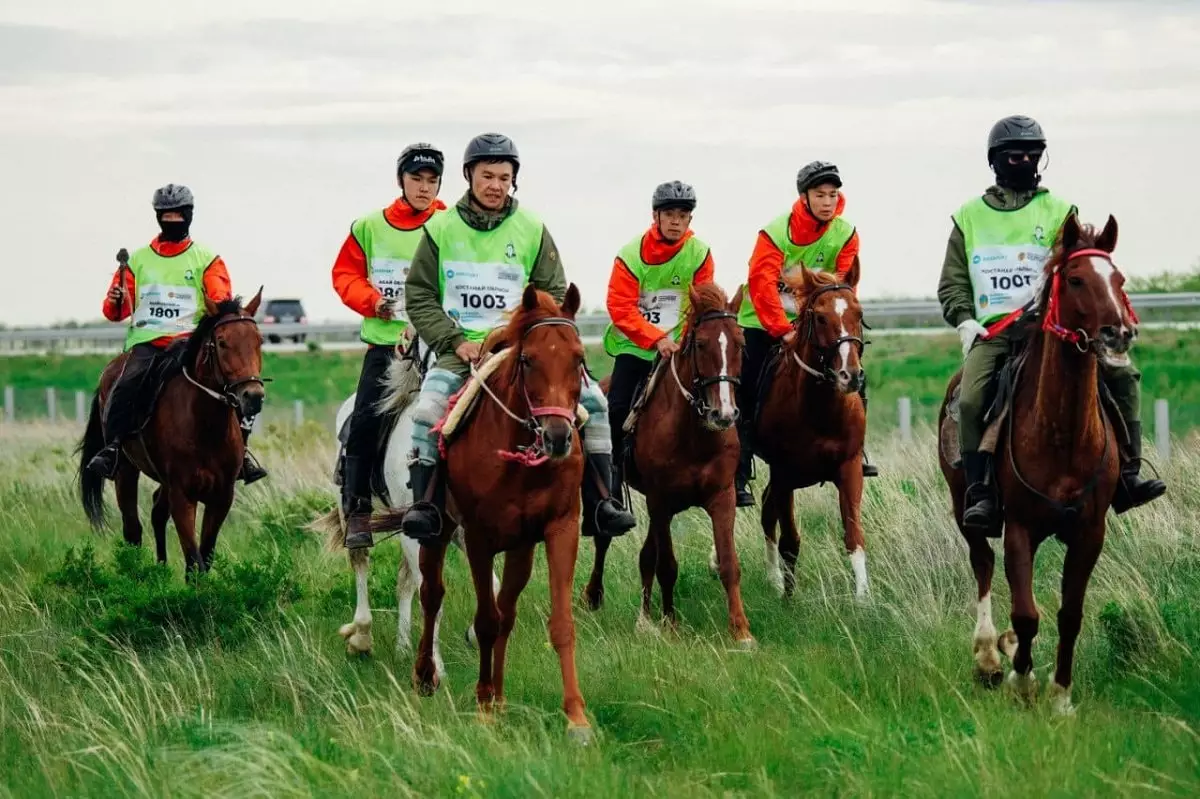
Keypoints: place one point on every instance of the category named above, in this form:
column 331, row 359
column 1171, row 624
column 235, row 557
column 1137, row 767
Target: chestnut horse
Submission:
column 508, row 502
column 192, row 443
column 685, row 452
column 811, row 422
column 1057, row 464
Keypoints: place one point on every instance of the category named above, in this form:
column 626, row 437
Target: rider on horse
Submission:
column 647, row 301
column 164, row 288
column 470, row 269
column 369, row 277
column 813, row 233
column 994, row 259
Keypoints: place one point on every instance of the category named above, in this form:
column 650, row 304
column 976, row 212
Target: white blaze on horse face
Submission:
column 723, row 389
column 1107, row 273
column 839, row 306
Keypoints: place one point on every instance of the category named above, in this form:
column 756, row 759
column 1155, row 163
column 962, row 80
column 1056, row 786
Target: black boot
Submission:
column 868, row 469
column 603, row 514
column 745, row 499
column 104, row 462
column 423, row 520
column 356, row 502
column 251, row 471
column 1132, row 490
column 979, row 511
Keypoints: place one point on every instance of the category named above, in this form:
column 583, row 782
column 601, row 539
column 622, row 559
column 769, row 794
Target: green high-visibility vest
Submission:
column 1007, row 250
column 821, row 256
column 483, row 273
column 663, row 299
column 169, row 292
column 389, row 252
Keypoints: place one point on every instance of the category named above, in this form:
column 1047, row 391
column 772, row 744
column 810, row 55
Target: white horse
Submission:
column 402, row 385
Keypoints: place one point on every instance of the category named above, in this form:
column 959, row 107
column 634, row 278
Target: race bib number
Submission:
column 661, row 308
column 785, row 295
column 388, row 276
column 477, row 296
column 168, row 308
column 1005, row 277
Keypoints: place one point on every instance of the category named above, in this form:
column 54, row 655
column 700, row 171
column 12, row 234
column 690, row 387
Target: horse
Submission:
column 403, row 382
column 811, row 420
column 513, row 474
column 1057, row 465
column 192, row 444
column 684, row 454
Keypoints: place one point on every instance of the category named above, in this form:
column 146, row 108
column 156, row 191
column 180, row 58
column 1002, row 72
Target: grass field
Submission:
column 913, row 366
column 116, row 679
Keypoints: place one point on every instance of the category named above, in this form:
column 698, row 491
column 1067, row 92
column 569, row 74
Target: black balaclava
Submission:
column 1021, row 176
column 175, row 231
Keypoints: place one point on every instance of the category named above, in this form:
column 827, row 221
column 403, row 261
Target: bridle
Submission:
column 695, row 397
column 208, row 352
column 807, row 318
column 534, row 454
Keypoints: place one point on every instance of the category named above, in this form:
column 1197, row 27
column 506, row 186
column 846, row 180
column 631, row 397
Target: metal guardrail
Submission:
column 110, row 337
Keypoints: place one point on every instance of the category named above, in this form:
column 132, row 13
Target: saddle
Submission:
column 387, row 424
column 642, row 394
column 142, row 391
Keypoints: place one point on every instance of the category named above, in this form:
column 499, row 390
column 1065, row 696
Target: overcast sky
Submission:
column 285, row 118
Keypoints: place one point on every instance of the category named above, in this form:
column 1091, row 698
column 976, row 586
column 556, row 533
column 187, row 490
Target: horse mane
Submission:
column 512, row 334
column 207, row 322
column 795, row 281
column 708, row 297
column 401, row 383
column 1057, row 258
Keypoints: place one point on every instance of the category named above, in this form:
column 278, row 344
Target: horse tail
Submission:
column 91, row 485
column 332, row 527
column 387, row 521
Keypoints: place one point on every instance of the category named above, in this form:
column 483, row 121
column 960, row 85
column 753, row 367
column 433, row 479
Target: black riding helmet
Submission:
column 491, row 147
column 674, row 194
column 816, row 173
column 421, row 155
column 173, row 196
column 1015, row 133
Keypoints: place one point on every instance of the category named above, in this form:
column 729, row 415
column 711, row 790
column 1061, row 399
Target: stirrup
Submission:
column 415, row 523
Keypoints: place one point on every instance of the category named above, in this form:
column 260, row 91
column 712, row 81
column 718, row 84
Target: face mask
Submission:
column 1021, row 176
column 175, row 231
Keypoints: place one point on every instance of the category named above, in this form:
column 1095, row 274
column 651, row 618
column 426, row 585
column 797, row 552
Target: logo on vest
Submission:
column 187, row 276
column 449, row 274
column 1039, row 235
column 820, row 259
column 510, row 251
column 675, row 281
column 983, row 300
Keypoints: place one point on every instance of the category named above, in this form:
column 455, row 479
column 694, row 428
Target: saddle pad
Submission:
column 644, row 395
column 950, row 439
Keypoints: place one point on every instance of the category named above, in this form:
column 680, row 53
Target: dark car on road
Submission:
column 283, row 312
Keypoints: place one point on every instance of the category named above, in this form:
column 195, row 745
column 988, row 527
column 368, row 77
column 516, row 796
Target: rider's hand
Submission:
column 789, row 337
column 384, row 308
column 968, row 331
column 468, row 351
column 666, row 347
column 116, row 294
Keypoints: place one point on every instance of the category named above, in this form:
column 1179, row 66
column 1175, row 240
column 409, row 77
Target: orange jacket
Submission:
column 216, row 285
column 766, row 264
column 624, row 290
column 350, row 279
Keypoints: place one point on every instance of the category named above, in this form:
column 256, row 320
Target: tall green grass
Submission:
column 242, row 687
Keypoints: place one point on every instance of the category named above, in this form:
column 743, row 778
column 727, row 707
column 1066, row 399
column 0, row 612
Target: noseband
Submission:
column 225, row 394
column 534, row 454
column 695, row 397
column 1079, row 337
column 808, row 318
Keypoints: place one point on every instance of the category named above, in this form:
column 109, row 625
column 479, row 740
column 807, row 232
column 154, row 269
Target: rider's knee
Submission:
column 434, row 399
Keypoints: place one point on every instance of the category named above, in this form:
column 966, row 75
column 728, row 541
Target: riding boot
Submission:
column 104, row 462
column 423, row 520
column 603, row 514
column 745, row 468
column 356, row 502
column 252, row 470
column 868, row 469
column 1132, row 490
column 979, row 511
column 123, row 411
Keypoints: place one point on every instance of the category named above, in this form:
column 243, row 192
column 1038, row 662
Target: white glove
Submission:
column 968, row 331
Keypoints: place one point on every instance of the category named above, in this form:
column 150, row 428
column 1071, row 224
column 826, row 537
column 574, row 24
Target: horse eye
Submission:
column 1075, row 281
column 820, row 320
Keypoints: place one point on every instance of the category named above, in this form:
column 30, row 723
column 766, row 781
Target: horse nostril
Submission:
column 737, row 414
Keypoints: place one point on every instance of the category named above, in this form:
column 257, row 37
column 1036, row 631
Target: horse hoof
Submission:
column 988, row 678
column 426, row 687
column 358, row 640
column 593, row 600
column 580, row 735
column 1060, row 700
column 1007, row 644
column 645, row 626
column 1023, row 686
column 747, row 644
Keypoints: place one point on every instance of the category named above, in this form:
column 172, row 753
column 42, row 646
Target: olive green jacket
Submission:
column 422, row 293
column 954, row 287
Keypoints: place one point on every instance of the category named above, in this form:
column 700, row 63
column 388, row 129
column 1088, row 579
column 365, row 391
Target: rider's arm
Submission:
column 845, row 259
column 115, row 312
column 622, row 304
column 423, row 301
column 216, row 281
column 954, row 287
column 548, row 273
column 766, row 268
column 350, row 279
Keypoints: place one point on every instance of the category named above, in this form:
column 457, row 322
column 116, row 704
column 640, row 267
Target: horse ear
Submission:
column 851, row 278
column 799, row 279
column 735, row 304
column 529, row 298
column 252, row 307
column 1070, row 233
column 571, row 302
column 1108, row 238
column 693, row 296
column 210, row 307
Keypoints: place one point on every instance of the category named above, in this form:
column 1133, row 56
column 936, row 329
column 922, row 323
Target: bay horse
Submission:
column 513, row 476
column 811, row 421
column 1057, row 464
column 684, row 455
column 191, row 445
